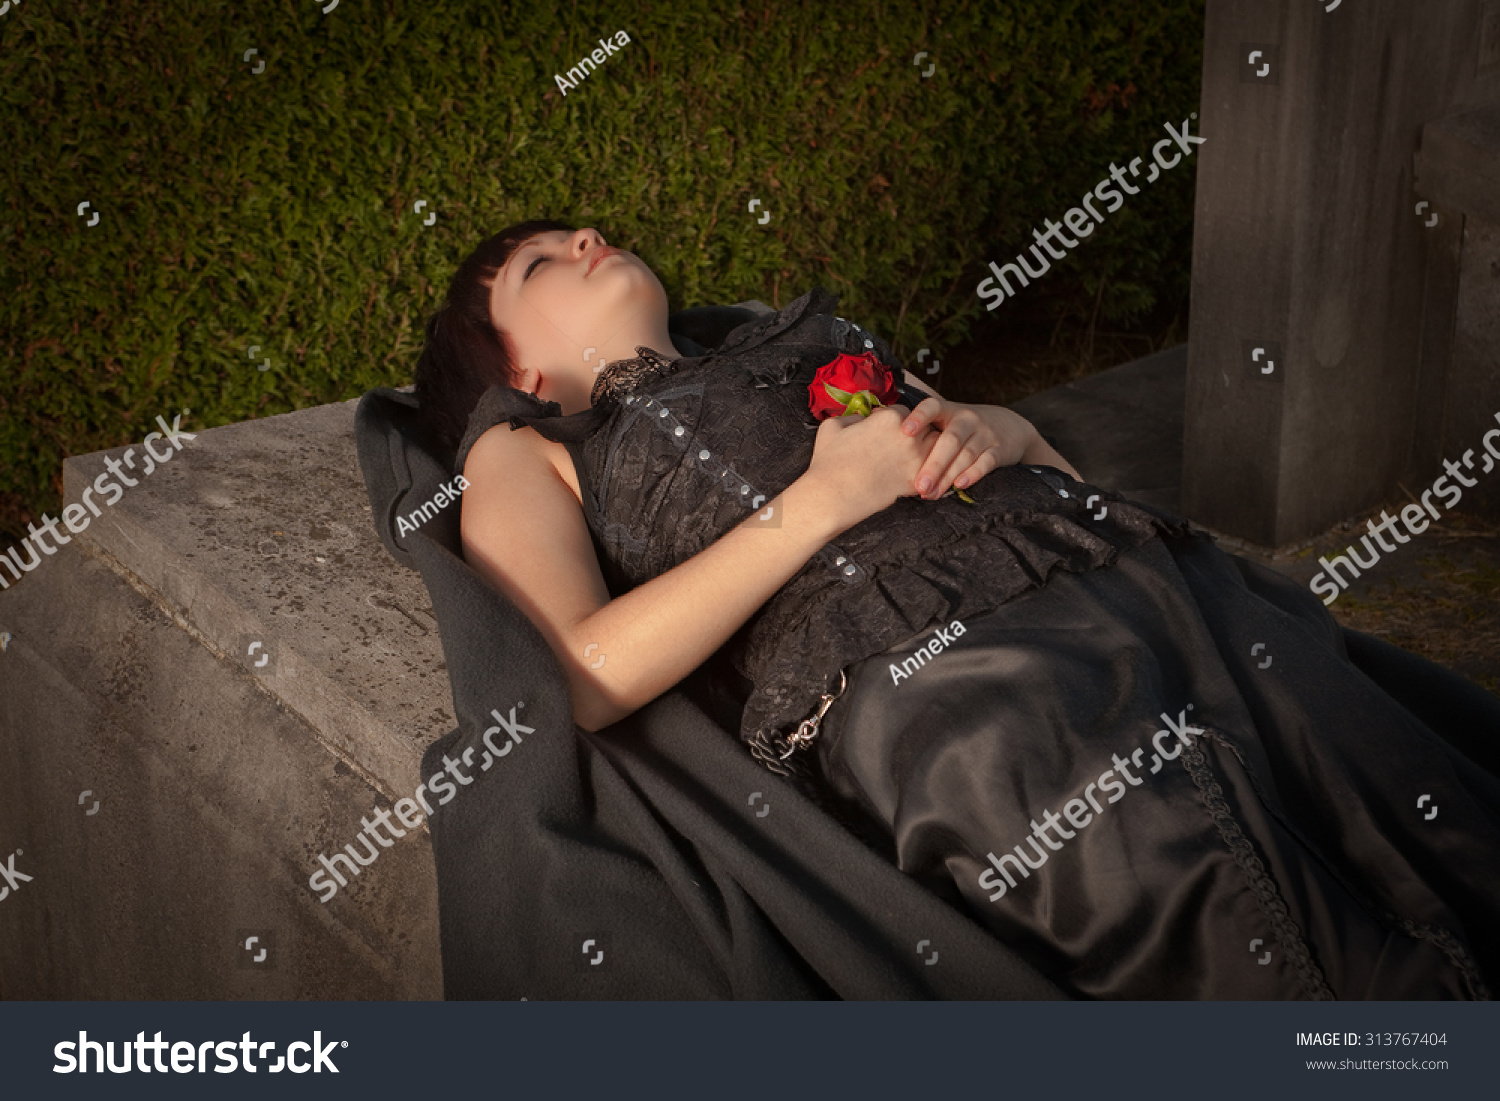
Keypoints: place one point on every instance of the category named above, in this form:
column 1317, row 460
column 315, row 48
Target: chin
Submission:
column 635, row 287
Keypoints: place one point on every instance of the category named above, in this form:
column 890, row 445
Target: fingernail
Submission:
column 924, row 485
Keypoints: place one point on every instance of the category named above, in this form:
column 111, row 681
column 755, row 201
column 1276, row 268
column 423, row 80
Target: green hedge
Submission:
column 276, row 209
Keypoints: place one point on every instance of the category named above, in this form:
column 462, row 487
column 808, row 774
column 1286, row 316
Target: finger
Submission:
column 951, row 445
column 987, row 461
column 967, row 456
column 976, row 438
column 922, row 416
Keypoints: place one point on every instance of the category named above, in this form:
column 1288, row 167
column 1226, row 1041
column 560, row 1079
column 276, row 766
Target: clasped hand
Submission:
column 975, row 440
column 864, row 464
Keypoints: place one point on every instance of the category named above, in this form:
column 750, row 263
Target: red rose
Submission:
column 851, row 375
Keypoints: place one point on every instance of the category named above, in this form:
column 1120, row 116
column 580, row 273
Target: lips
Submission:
column 600, row 256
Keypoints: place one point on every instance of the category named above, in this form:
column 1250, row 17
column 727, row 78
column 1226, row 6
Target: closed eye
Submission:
column 532, row 267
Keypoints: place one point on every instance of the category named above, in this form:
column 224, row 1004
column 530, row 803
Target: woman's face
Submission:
column 570, row 303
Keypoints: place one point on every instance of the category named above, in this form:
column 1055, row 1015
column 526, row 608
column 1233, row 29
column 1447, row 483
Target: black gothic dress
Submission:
column 1152, row 768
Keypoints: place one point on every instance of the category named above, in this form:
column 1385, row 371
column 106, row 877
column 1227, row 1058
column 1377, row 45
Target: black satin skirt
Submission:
column 1170, row 777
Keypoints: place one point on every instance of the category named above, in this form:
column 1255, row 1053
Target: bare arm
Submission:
column 524, row 532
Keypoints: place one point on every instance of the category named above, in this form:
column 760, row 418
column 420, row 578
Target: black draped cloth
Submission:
column 1082, row 752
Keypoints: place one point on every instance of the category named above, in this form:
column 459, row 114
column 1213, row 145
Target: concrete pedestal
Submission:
column 1324, row 365
column 220, row 774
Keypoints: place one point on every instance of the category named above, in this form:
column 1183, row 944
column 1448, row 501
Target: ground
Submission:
column 1439, row 597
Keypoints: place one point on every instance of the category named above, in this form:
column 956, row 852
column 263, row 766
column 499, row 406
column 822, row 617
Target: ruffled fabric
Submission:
column 677, row 458
column 927, row 563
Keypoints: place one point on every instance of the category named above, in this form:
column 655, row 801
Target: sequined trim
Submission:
column 655, row 411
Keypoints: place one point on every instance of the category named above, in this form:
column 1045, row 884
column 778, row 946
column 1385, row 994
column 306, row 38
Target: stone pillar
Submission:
column 1323, row 303
column 1458, row 168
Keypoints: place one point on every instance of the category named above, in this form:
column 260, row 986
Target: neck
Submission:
column 658, row 340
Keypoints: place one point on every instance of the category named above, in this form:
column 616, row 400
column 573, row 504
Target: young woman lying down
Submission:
column 1152, row 767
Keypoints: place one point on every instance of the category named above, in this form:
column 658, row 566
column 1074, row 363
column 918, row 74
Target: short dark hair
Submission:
column 465, row 353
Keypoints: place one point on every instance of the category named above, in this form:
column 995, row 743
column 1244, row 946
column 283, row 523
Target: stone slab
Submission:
column 261, row 531
column 168, row 807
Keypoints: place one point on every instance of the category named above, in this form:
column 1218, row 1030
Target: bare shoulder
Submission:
column 511, row 458
column 523, row 530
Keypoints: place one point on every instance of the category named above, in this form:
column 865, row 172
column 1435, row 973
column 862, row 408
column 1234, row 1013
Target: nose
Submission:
column 590, row 250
